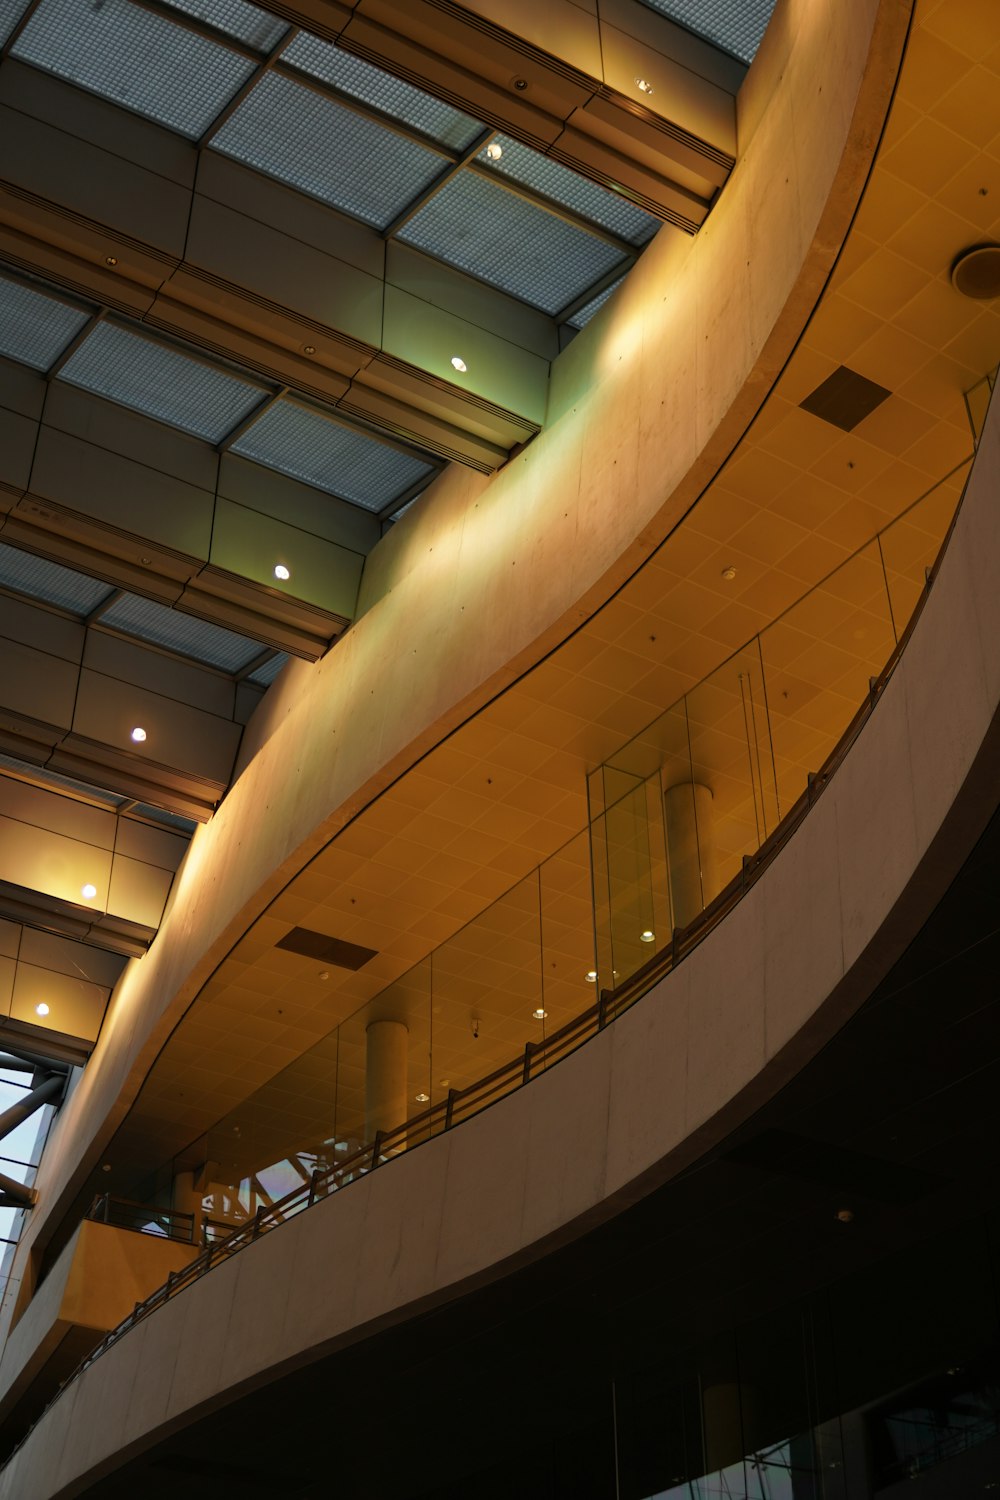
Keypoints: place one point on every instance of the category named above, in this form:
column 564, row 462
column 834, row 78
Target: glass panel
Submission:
column 33, row 328
column 734, row 25
column 184, row 79
column 300, row 137
column 204, row 642
column 511, row 243
column 631, row 889
column 911, row 544
column 50, row 581
column 818, row 661
column 11, row 12
column 569, row 956
column 266, row 673
column 352, row 75
column 591, row 308
column 564, row 186
column 247, row 23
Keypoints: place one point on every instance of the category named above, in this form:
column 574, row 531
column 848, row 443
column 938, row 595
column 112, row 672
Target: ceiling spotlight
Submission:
column 42, row 1009
column 539, row 1014
column 422, row 1098
column 324, row 973
column 280, row 571
column 444, row 1083
column 308, row 348
column 976, row 272
column 845, row 1215
column 111, row 260
column 591, row 976
column 88, row 891
column 457, row 363
column 494, row 151
column 644, row 87
column 138, row 735
column 729, row 573
column 647, row 936
column 106, row 1167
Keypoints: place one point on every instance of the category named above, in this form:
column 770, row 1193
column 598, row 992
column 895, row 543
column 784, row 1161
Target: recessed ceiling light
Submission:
column 421, row 1098
column 976, row 272
column 644, row 86
column 88, row 891
column 111, row 260
column 845, row 1215
column 458, row 364
column 729, row 574
column 138, row 734
column 280, row 571
column 539, row 1014
column 494, row 151
column 42, row 1009
column 444, row 1083
column 324, row 973
column 591, row 976
column 648, row 936
column 308, row 348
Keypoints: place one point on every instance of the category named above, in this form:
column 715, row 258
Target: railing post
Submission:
column 602, row 1010
column 169, row 1285
column 529, row 1048
column 449, row 1108
column 377, row 1148
column 312, row 1186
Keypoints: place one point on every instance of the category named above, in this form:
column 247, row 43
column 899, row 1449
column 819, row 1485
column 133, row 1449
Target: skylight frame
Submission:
column 42, row 290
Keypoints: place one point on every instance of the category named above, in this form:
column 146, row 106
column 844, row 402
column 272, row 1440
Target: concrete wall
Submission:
column 647, row 404
column 638, row 1102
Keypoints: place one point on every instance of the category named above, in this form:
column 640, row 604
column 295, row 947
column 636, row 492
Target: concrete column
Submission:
column 694, row 876
column 386, row 1104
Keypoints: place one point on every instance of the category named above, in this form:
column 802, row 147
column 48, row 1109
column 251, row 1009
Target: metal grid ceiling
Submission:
column 50, row 582
column 136, row 58
column 564, row 186
column 209, row 644
column 513, row 244
column 362, row 80
column 33, row 328
column 247, row 23
column 288, row 131
column 160, row 382
column 307, row 445
column 268, row 670
column 583, row 317
column 734, row 25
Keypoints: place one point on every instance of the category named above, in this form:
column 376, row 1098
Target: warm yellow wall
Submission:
column 484, row 577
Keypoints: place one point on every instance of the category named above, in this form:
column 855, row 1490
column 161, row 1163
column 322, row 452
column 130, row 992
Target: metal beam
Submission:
column 45, row 1093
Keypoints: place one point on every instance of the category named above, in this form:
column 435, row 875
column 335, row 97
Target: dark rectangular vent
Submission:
column 326, row 950
column 836, row 1167
column 845, row 398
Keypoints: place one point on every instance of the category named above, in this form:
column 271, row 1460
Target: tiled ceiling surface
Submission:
column 798, row 498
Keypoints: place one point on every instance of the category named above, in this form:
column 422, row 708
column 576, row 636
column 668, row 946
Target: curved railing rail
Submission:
column 538, row 1056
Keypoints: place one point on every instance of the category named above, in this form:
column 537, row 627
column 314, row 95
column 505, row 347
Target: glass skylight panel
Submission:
column 568, row 188
column 515, row 245
column 307, row 445
column 734, row 25
column 11, row 12
column 583, row 317
column 325, row 149
column 35, row 329
column 268, row 670
column 154, row 622
column 247, row 23
column 352, row 75
column 136, row 58
column 160, row 382
column 50, row 582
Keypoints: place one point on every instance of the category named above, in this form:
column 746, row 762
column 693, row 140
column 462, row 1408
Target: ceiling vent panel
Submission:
column 845, row 398
column 325, row 949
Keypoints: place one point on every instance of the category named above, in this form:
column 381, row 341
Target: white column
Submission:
column 690, row 849
column 386, row 1103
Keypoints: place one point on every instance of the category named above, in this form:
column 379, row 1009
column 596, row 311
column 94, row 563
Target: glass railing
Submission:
column 681, row 821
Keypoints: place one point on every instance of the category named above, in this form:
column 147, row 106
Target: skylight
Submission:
column 582, row 318
column 268, row 670
column 300, row 137
column 35, row 329
column 161, row 382
column 138, row 59
column 50, row 582
column 247, row 23
column 515, row 245
column 206, row 643
column 11, row 12
column 352, row 75
column 303, row 442
column 734, row 25
column 560, row 184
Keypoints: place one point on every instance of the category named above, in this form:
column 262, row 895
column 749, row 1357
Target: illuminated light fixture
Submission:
column 138, row 735
column 539, row 1014
column 591, row 976
column 422, row 1098
column 647, row 936
column 494, row 151
column 729, row 573
column 88, row 891
column 308, row 348
column 457, row 363
column 111, row 260
column 42, row 1009
column 280, row 571
column 644, row 87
